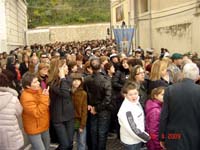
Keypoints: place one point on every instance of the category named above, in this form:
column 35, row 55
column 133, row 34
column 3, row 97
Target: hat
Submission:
column 138, row 50
column 149, row 50
column 43, row 65
column 95, row 49
column 166, row 54
column 88, row 49
column 113, row 55
column 43, row 55
column 76, row 76
column 103, row 48
column 177, row 56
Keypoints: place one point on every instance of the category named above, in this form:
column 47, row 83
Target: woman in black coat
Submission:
column 24, row 65
column 10, row 66
column 61, row 107
column 118, row 80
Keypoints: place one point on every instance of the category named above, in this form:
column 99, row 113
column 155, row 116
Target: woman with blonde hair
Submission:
column 159, row 75
column 61, row 107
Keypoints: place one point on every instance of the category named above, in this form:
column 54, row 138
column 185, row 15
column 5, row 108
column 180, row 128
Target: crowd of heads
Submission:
column 43, row 59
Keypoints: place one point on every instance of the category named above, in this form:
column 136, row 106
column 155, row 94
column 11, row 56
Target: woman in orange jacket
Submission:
column 35, row 115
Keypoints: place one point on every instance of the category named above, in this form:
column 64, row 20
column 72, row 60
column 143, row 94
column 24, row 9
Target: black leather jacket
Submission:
column 99, row 91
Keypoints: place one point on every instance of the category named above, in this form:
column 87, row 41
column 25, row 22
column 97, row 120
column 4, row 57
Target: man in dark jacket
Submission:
column 180, row 116
column 99, row 99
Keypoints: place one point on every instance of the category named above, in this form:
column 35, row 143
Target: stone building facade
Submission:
column 13, row 24
column 171, row 24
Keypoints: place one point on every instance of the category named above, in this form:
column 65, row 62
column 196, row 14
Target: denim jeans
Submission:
column 40, row 141
column 65, row 133
column 99, row 126
column 81, row 139
column 132, row 147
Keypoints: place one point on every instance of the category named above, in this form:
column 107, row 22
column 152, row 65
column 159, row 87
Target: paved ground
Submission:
column 113, row 144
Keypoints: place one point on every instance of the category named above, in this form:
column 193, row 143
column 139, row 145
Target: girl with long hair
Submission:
column 61, row 107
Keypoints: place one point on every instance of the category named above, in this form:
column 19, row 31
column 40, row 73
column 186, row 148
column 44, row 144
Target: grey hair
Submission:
column 191, row 71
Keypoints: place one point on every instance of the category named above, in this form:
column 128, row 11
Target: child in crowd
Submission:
column 79, row 97
column 131, row 118
column 153, row 110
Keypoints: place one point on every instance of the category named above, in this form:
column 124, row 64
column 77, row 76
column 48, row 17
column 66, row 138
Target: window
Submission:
column 143, row 6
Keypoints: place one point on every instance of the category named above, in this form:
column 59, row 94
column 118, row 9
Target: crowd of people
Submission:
column 89, row 90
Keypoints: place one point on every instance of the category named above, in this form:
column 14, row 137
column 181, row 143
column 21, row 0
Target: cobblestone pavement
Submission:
column 113, row 144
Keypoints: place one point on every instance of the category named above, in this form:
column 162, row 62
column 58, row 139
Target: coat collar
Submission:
column 188, row 80
column 7, row 89
column 32, row 91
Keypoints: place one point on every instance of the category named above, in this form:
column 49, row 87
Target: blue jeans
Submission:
column 65, row 133
column 99, row 126
column 81, row 139
column 40, row 141
column 132, row 147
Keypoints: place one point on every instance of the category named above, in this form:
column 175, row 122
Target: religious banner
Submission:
column 123, row 38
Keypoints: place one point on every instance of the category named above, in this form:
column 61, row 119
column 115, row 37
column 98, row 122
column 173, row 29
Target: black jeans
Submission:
column 65, row 133
column 99, row 126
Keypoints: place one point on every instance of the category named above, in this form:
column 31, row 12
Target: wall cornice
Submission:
column 175, row 10
column 116, row 2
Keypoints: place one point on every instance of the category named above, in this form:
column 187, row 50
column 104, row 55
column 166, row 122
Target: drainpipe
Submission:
column 136, row 33
column 111, row 19
column 150, row 26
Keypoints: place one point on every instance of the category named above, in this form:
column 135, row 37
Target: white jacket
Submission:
column 11, row 137
column 131, row 120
